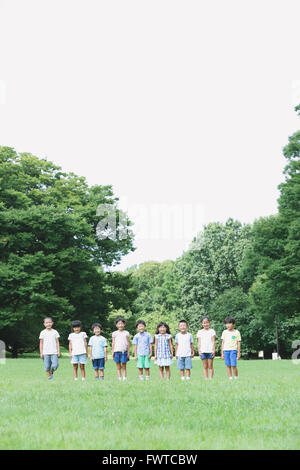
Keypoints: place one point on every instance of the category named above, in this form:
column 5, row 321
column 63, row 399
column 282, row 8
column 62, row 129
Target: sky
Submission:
column 182, row 106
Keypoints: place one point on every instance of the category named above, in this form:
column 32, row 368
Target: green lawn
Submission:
column 261, row 410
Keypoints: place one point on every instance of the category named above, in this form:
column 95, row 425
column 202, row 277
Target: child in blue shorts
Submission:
column 120, row 347
column 231, row 347
column 184, row 350
column 78, row 349
column 98, row 351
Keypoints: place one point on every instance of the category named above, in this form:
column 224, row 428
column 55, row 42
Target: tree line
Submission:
column 53, row 262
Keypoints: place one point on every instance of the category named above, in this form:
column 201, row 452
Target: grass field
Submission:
column 261, row 410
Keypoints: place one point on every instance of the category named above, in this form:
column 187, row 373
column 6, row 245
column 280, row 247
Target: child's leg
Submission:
column 140, row 373
column 82, row 371
column 235, row 371
column 168, row 372
column 161, row 372
column 188, row 373
column 205, row 368
column 147, row 372
column 229, row 371
column 124, row 370
column 118, row 364
column 182, row 374
column 75, row 371
column 96, row 372
column 210, row 368
column 102, row 373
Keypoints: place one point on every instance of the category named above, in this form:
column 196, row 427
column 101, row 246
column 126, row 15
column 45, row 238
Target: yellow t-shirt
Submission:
column 231, row 339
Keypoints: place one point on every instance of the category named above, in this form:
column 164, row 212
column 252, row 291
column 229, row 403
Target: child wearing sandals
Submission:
column 163, row 348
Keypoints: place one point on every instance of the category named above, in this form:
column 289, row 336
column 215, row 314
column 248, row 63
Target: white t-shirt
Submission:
column 49, row 341
column 206, row 342
column 121, row 340
column 78, row 346
column 231, row 338
column 184, row 344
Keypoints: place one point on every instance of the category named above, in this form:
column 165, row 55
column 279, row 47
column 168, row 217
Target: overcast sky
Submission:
column 182, row 106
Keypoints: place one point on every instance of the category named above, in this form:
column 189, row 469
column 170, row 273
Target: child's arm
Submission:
column 150, row 347
column 86, row 346
column 176, row 347
column 70, row 348
column 155, row 349
column 214, row 345
column 222, row 352
column 58, row 347
column 105, row 352
column 171, row 347
column 128, row 348
column 41, row 348
column 90, row 348
column 135, row 352
column 239, row 350
column 199, row 347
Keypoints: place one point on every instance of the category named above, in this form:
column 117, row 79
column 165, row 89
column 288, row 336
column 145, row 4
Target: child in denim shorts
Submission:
column 98, row 351
column 207, row 347
column 78, row 349
column 184, row 350
column 231, row 347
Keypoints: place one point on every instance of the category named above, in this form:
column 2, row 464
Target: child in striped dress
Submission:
column 163, row 348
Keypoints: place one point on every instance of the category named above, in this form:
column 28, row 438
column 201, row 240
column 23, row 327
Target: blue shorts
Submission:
column 184, row 363
column 230, row 358
column 121, row 357
column 206, row 356
column 50, row 361
column 98, row 363
column 79, row 358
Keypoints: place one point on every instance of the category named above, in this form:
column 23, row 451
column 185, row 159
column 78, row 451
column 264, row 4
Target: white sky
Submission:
column 185, row 103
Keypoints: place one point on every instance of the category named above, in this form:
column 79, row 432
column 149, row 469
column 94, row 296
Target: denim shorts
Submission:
column 206, row 356
column 50, row 361
column 98, row 363
column 79, row 358
column 121, row 357
column 184, row 363
column 230, row 358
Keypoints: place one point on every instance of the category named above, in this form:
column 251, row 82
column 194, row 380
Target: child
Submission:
column 98, row 351
column 231, row 347
column 49, row 347
column 78, row 349
column 207, row 347
column 184, row 350
column 163, row 349
column 142, row 349
column 120, row 347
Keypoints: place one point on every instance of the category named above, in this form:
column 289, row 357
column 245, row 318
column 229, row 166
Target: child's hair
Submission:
column 205, row 318
column 48, row 318
column 94, row 325
column 183, row 321
column 76, row 323
column 120, row 319
column 229, row 320
column 162, row 323
column 140, row 322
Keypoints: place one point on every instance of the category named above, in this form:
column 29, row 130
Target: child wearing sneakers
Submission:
column 120, row 347
column 184, row 350
column 78, row 349
column 142, row 349
column 231, row 347
column 49, row 347
column 98, row 351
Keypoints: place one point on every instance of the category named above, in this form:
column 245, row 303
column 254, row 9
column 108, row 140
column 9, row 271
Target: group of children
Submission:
column 143, row 350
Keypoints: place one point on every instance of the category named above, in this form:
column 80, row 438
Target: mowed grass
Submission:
column 261, row 410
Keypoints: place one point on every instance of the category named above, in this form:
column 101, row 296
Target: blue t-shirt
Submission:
column 98, row 344
column 143, row 341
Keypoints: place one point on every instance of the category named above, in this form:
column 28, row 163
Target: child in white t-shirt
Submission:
column 207, row 347
column 49, row 347
column 78, row 349
column 184, row 350
column 120, row 347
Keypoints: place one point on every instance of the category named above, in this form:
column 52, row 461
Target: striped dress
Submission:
column 163, row 350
